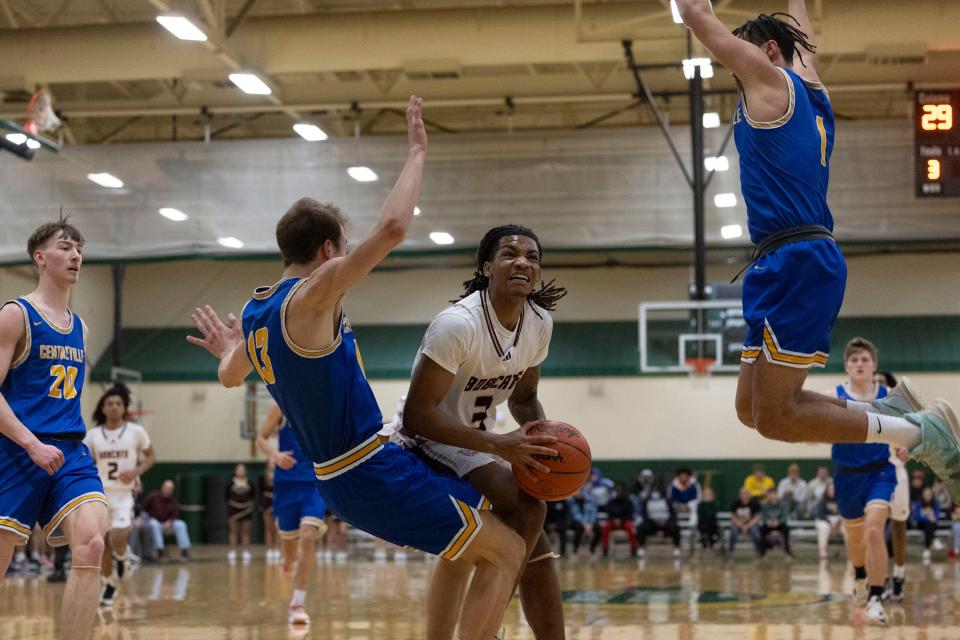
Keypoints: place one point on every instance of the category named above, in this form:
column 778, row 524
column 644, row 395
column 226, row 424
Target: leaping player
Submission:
column 123, row 453
column 483, row 351
column 298, row 339
column 47, row 475
column 297, row 505
column 792, row 292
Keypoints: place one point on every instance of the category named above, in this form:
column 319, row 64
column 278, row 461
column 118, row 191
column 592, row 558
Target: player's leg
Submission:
column 84, row 528
column 539, row 584
column 118, row 542
column 245, row 526
column 8, row 541
column 233, row 535
column 875, row 521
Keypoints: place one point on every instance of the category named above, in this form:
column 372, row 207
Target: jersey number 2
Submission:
column 64, row 383
column 257, row 348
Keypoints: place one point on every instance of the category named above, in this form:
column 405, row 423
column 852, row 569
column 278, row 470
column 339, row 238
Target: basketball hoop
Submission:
column 699, row 367
column 40, row 115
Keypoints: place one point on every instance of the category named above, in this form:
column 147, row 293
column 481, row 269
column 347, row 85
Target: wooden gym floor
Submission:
column 698, row 599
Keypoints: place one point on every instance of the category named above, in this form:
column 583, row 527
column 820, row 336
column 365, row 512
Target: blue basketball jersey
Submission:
column 322, row 392
column 44, row 383
column 303, row 470
column 859, row 455
column 785, row 163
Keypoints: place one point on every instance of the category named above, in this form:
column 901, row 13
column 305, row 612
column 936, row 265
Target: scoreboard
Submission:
column 937, row 142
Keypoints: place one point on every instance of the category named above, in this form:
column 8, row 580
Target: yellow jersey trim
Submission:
column 15, row 526
column 50, row 527
column 771, row 348
column 782, row 120
column 346, row 461
column 28, row 336
column 297, row 349
column 262, row 293
column 463, row 538
column 50, row 322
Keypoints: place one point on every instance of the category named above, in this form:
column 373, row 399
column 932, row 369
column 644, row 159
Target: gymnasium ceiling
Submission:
column 481, row 65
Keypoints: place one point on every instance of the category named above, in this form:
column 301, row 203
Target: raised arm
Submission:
column 224, row 342
column 283, row 459
column 808, row 69
column 327, row 284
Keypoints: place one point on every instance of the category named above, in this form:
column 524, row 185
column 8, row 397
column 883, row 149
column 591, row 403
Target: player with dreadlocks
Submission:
column 483, row 350
column 784, row 130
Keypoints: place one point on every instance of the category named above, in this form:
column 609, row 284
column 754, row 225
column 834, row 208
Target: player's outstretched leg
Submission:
column 8, row 541
column 84, row 529
column 539, row 584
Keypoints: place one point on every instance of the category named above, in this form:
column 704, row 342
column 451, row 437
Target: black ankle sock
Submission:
column 120, row 567
column 876, row 591
column 860, row 573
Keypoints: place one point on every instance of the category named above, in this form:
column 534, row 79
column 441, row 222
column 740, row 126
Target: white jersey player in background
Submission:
column 123, row 452
column 484, row 350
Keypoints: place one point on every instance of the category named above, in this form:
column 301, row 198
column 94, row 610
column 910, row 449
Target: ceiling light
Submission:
column 182, row 28
column 711, row 120
column 230, row 242
column 250, row 83
column 731, row 231
column 173, row 214
column 716, row 163
column 105, row 180
column 725, row 200
column 33, row 144
column 416, row 211
column 676, row 12
column 16, row 138
column 441, row 237
column 310, row 132
column 362, row 174
column 706, row 67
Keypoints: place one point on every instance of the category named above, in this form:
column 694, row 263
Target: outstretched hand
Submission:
column 416, row 132
column 218, row 338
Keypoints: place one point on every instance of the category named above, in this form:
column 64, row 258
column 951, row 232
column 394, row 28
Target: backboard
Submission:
column 676, row 336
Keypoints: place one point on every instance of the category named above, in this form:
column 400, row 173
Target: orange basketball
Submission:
column 569, row 469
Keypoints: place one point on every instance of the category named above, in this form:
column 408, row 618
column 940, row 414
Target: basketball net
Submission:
column 40, row 115
column 699, row 370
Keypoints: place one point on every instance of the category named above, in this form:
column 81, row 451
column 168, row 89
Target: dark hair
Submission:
column 49, row 230
column 769, row 27
column 304, row 228
column 889, row 380
column 547, row 296
column 859, row 344
column 686, row 470
column 118, row 389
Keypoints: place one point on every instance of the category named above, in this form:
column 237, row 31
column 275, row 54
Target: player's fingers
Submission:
column 540, row 439
column 543, row 451
column 536, row 466
column 197, row 341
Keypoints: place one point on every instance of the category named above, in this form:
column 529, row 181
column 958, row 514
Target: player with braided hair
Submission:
column 792, row 291
column 484, row 350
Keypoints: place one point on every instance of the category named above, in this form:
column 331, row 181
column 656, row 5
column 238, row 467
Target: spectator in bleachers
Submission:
column 620, row 514
column 161, row 506
column 816, row 488
column 745, row 520
column 793, row 491
column 917, row 482
column 758, row 483
column 557, row 522
column 955, row 527
column 942, row 497
column 707, row 523
column 658, row 515
column 601, row 489
column 583, row 520
column 773, row 517
column 684, row 493
column 644, row 484
column 926, row 515
column 828, row 519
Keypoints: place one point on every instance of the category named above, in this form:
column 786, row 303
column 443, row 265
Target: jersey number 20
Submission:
column 257, row 349
column 64, row 382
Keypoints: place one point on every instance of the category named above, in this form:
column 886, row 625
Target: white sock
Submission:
column 892, row 430
column 899, row 571
column 298, row 598
column 856, row 405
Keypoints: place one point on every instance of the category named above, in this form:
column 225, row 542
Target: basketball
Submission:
column 569, row 469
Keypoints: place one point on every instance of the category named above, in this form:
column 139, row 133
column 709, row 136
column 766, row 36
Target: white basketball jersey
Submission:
column 117, row 450
column 487, row 360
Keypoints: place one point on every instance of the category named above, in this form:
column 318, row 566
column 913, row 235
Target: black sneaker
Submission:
column 58, row 575
column 106, row 599
column 897, row 595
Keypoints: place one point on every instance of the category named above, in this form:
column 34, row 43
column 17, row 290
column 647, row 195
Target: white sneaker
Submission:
column 938, row 545
column 926, row 556
column 860, row 593
column 400, row 556
column 231, row 556
column 321, row 557
column 246, row 557
column 297, row 615
column 875, row 612
column 328, row 555
column 676, row 552
column 379, row 556
column 341, row 557
column 641, row 553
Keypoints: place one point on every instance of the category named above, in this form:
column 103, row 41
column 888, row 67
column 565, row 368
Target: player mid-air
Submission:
column 792, row 291
column 47, row 475
column 298, row 339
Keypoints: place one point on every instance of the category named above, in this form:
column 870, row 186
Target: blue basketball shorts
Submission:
column 393, row 495
column 28, row 495
column 856, row 490
column 296, row 504
column 791, row 299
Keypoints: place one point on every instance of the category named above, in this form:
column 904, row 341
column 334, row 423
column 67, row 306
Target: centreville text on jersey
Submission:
column 61, row 352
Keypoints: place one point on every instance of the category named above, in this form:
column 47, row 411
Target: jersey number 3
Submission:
column 64, row 382
column 257, row 349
